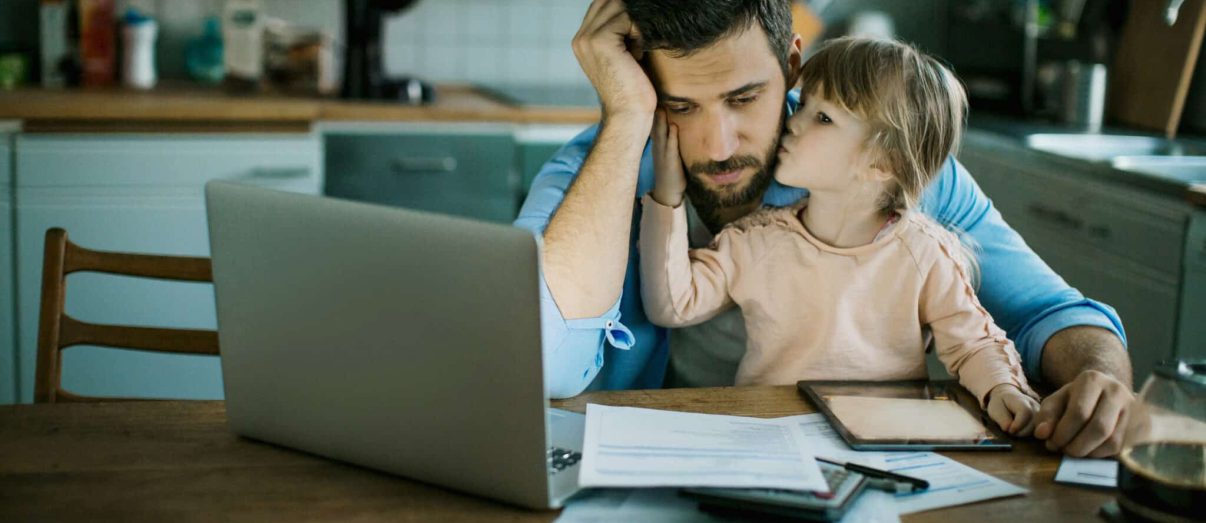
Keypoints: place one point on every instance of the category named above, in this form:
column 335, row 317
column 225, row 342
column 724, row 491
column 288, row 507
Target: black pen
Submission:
column 899, row 483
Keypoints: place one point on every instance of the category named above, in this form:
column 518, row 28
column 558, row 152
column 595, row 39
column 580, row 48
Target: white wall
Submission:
column 487, row 41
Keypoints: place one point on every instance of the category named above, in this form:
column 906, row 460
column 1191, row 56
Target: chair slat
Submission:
column 180, row 341
column 58, row 331
column 185, row 268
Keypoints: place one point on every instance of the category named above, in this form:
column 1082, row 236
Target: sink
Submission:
column 1187, row 169
column 1104, row 147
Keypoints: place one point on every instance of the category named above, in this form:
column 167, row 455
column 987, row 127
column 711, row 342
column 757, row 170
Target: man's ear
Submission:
column 795, row 61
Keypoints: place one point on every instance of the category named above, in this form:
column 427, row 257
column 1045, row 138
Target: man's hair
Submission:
column 682, row 27
column 915, row 107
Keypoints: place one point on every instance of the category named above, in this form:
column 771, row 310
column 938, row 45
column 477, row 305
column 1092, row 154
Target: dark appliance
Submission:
column 363, row 70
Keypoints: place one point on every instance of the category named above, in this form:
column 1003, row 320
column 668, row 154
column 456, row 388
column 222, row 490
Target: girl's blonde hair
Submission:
column 915, row 107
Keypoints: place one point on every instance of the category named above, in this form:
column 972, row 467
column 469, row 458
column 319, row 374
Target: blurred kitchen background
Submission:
column 1087, row 128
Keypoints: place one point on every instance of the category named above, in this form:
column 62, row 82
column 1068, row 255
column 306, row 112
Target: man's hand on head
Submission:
column 608, row 47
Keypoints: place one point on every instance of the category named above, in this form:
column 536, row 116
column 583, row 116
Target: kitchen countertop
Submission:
column 190, row 107
column 1009, row 134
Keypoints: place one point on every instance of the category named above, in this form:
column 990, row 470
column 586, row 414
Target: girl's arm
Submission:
column 967, row 341
column 678, row 287
column 681, row 286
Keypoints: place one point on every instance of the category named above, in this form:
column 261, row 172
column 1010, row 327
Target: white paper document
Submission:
column 1085, row 471
column 951, row 483
column 633, row 447
column 824, row 442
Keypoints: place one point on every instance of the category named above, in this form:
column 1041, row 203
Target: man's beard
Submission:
column 707, row 200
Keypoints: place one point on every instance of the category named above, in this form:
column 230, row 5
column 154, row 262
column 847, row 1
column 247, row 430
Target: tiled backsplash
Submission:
column 484, row 41
column 487, row 41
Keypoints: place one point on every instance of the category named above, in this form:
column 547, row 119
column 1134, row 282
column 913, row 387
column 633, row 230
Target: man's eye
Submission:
column 744, row 100
column 678, row 109
column 823, row 118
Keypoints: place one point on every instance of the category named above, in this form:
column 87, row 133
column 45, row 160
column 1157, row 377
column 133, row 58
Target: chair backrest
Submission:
column 58, row 331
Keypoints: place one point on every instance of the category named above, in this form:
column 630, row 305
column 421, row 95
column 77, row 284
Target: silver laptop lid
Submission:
column 397, row 340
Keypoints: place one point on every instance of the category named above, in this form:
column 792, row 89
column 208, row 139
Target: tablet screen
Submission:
column 904, row 414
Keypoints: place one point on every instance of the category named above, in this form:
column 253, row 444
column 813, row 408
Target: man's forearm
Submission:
column 586, row 243
column 1077, row 349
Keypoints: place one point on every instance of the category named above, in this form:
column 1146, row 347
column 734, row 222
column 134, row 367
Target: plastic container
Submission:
column 243, row 38
column 138, row 41
column 203, row 58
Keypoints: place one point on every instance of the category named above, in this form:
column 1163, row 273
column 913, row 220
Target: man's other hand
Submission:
column 1087, row 417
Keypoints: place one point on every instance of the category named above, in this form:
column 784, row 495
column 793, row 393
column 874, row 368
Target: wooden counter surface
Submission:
column 188, row 107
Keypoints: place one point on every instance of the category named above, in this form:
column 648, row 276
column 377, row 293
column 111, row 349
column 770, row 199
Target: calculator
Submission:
column 844, row 488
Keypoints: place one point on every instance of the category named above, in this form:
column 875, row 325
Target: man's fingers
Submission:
column 599, row 12
column 1077, row 413
column 616, row 25
column 1098, row 428
column 1113, row 444
column 1050, row 411
column 593, row 10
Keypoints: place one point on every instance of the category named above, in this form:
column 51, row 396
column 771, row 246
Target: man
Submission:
column 721, row 70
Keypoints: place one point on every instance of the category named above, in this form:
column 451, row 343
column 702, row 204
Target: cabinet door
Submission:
column 8, row 322
column 470, row 175
column 1116, row 245
column 1191, row 334
column 1146, row 303
column 92, row 188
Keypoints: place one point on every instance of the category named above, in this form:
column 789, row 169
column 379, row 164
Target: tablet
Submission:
column 905, row 415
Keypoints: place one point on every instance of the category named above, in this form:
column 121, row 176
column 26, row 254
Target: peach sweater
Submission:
column 814, row 311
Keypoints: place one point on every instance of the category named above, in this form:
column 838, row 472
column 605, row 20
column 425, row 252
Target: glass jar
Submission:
column 1162, row 466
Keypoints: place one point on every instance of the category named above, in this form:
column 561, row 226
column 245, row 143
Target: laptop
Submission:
column 397, row 340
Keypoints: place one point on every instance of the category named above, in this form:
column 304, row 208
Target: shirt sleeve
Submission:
column 573, row 349
column 971, row 346
column 681, row 286
column 1029, row 300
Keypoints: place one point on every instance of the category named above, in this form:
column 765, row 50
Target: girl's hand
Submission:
column 669, row 180
column 1013, row 410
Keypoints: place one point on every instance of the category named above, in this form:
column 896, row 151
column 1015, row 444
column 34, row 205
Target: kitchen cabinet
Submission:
column 1117, row 244
column 8, row 322
column 1191, row 336
column 464, row 170
column 136, row 193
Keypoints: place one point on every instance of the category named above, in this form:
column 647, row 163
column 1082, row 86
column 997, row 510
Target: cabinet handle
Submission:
column 428, row 164
column 1055, row 216
column 279, row 173
column 1100, row 231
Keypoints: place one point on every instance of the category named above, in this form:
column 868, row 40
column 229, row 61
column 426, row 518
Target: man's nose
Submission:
column 720, row 139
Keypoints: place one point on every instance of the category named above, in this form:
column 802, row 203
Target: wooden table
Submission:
column 177, row 461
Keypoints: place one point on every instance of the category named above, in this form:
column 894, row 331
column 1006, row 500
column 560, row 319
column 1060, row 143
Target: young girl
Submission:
column 852, row 282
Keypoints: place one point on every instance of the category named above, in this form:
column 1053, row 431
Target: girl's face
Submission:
column 822, row 148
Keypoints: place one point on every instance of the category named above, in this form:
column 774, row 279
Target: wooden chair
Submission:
column 57, row 331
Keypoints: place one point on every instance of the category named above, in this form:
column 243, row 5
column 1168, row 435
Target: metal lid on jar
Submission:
column 1187, row 371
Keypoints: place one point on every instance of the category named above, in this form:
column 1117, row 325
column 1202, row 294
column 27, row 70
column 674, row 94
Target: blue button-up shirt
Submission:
column 1024, row 296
